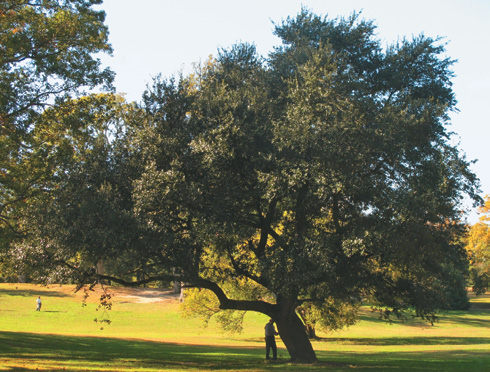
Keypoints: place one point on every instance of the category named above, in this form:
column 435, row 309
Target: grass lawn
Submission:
column 147, row 333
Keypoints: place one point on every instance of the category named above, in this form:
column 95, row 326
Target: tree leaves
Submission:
column 47, row 51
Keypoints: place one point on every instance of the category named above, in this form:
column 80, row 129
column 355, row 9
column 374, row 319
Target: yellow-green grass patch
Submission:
column 147, row 333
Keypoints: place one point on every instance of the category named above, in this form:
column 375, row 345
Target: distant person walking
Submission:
column 270, row 340
column 38, row 302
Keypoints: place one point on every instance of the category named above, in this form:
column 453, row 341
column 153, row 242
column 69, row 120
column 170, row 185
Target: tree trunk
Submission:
column 100, row 271
column 22, row 278
column 310, row 330
column 289, row 325
column 292, row 332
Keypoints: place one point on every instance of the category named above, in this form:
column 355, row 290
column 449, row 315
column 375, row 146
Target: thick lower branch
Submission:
column 229, row 304
column 136, row 283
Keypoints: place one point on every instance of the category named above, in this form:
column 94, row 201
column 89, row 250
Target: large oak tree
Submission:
column 324, row 172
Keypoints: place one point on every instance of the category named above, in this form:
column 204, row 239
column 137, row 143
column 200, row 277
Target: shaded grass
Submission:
column 74, row 353
column 407, row 341
column 29, row 351
column 154, row 337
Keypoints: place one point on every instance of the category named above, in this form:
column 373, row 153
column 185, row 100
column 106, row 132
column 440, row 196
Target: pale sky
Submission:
column 152, row 37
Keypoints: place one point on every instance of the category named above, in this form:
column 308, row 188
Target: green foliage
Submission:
column 328, row 316
column 84, row 214
column 204, row 305
column 316, row 176
column 47, row 51
column 322, row 174
column 457, row 293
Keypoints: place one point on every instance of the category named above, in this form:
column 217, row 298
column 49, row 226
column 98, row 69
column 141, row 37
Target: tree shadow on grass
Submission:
column 470, row 321
column 409, row 341
column 124, row 354
column 472, row 318
column 33, row 293
column 58, row 352
column 394, row 341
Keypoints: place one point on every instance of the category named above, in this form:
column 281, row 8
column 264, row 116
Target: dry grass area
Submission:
column 119, row 294
column 143, row 295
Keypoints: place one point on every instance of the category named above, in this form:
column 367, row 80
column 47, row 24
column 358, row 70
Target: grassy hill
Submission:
column 147, row 333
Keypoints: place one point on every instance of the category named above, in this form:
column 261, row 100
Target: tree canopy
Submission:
column 321, row 174
column 47, row 49
column 47, row 52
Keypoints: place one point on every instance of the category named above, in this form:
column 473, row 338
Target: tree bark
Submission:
column 310, row 330
column 293, row 333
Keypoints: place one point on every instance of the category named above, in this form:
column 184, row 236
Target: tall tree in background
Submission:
column 82, row 225
column 47, row 51
column 478, row 248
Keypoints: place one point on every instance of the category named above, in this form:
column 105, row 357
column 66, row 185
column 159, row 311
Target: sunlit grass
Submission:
column 154, row 337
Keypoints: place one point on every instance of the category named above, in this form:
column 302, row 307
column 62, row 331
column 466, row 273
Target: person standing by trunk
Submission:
column 270, row 340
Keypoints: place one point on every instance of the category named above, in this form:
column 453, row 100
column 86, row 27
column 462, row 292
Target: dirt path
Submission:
column 143, row 295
